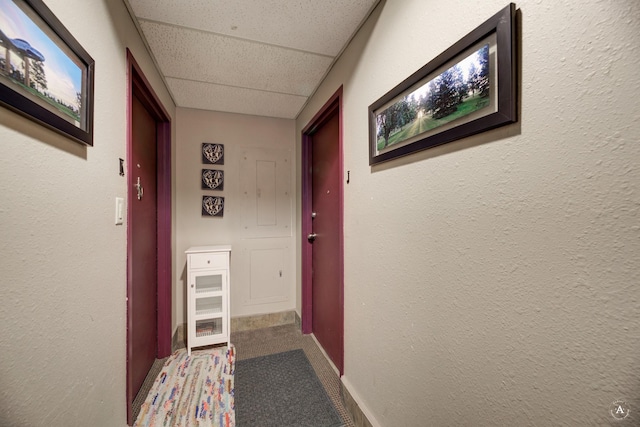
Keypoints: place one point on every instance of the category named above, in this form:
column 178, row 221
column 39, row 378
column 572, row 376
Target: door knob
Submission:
column 311, row 237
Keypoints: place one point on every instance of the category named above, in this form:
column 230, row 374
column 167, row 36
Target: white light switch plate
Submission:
column 119, row 210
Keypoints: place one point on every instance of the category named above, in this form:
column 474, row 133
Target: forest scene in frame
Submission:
column 457, row 92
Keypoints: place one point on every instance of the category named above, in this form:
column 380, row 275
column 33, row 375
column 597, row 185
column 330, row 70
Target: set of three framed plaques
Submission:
column 212, row 179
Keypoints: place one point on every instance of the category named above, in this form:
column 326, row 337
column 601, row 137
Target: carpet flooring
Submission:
column 282, row 390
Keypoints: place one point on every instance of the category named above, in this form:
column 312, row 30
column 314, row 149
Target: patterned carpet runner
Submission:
column 195, row 391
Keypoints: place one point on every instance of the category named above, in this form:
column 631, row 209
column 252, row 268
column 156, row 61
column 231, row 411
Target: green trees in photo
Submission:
column 396, row 116
column 387, row 122
column 450, row 90
column 479, row 76
column 454, row 93
column 38, row 77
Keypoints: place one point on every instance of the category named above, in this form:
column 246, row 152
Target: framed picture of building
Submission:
column 45, row 74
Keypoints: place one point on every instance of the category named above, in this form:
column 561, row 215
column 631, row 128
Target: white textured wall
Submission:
column 62, row 259
column 495, row 280
column 238, row 133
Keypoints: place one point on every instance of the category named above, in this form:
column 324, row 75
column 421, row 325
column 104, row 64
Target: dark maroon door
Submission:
column 327, row 274
column 143, row 262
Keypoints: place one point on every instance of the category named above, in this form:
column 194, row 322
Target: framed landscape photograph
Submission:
column 468, row 89
column 45, row 74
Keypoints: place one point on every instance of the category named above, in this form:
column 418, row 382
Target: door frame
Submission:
column 331, row 107
column 137, row 83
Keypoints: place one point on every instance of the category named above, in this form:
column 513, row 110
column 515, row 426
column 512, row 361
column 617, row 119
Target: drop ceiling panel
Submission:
column 259, row 57
column 319, row 26
column 207, row 96
column 200, row 56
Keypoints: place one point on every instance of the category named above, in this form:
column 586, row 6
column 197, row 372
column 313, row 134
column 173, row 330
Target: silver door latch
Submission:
column 139, row 189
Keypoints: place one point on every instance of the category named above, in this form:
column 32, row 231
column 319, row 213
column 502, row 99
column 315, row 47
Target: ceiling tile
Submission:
column 207, row 57
column 322, row 27
column 260, row 57
column 214, row 97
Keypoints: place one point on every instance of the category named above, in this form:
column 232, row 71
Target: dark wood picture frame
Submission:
column 495, row 41
column 31, row 98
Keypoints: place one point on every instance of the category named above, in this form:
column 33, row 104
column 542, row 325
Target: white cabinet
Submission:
column 208, row 311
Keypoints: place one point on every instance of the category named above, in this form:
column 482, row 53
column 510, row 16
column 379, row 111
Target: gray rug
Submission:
column 281, row 390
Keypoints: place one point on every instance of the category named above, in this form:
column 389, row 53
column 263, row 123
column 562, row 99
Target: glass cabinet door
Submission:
column 208, row 327
column 207, row 305
column 209, row 282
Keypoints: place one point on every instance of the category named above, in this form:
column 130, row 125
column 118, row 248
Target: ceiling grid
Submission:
column 262, row 58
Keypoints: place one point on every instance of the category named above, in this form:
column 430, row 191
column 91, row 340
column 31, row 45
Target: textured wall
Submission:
column 241, row 135
column 62, row 259
column 494, row 280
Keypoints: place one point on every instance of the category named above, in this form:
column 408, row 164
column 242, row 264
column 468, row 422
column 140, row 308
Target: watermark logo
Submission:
column 619, row 410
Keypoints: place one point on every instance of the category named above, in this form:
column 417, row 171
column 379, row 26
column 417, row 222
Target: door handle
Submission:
column 311, row 237
column 139, row 189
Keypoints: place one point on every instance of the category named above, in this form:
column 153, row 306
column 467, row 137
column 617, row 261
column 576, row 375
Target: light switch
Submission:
column 119, row 210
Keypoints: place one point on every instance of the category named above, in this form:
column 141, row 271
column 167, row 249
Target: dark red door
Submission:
column 326, row 259
column 143, row 262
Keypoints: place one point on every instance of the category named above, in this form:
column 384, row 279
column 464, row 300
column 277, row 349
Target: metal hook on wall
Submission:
column 348, row 177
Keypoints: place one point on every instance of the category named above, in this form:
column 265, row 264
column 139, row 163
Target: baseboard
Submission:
column 178, row 340
column 326, row 356
column 298, row 320
column 246, row 323
column 360, row 414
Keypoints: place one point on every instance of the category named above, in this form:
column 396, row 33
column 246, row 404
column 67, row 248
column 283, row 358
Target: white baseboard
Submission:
column 326, row 356
column 361, row 406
